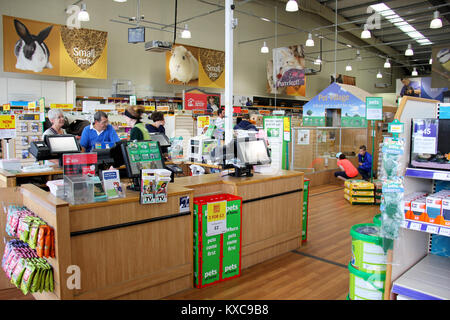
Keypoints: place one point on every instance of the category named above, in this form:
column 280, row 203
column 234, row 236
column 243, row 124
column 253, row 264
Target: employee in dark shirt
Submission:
column 133, row 116
column 158, row 123
column 245, row 124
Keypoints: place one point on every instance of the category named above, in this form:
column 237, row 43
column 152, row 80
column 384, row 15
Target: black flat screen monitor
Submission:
column 60, row 144
column 163, row 140
column 136, row 35
column 252, row 152
column 139, row 155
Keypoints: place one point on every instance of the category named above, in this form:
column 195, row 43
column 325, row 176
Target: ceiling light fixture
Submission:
column 379, row 75
column 83, row 15
column 409, row 51
column 436, row 23
column 291, row 6
column 366, row 33
column 358, row 55
column 186, row 34
column 431, row 61
column 414, row 72
column 264, row 48
column 387, row 64
column 318, row 61
column 120, row 0
column 348, row 67
column 310, row 41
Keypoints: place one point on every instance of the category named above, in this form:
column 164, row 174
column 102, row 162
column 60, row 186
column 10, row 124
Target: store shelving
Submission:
column 428, row 174
column 426, row 227
column 429, row 279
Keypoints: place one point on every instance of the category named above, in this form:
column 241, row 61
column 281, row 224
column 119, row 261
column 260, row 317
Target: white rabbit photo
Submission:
column 183, row 66
column 30, row 50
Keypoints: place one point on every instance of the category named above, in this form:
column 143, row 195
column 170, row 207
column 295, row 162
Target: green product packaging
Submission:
column 26, row 224
column 51, row 285
column 305, row 209
column 27, row 277
column 36, row 281
column 32, row 239
column 18, row 272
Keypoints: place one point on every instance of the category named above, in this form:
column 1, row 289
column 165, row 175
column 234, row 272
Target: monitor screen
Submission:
column 136, row 35
column 142, row 155
column 253, row 152
column 161, row 138
column 62, row 144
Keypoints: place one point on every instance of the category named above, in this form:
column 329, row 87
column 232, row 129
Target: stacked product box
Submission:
column 414, row 205
column 217, row 256
column 378, row 184
column 359, row 192
column 432, row 208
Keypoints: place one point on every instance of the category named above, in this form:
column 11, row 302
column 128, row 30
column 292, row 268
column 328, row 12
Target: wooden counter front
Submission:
column 271, row 210
column 124, row 250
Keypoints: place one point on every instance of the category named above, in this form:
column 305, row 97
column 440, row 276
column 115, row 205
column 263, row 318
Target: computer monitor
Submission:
column 139, row 155
column 252, row 152
column 163, row 140
column 60, row 144
column 136, row 35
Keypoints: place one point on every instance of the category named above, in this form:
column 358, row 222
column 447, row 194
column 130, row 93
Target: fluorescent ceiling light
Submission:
column 414, row 72
column 366, row 33
column 310, row 41
column 291, row 6
column 348, row 68
column 400, row 23
column 409, row 51
column 265, row 19
column 186, row 34
column 264, row 48
column 83, row 15
column 436, row 23
column 387, row 64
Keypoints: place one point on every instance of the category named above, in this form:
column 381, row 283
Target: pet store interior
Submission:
column 225, row 150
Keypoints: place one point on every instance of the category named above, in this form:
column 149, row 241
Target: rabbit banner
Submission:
column 43, row 48
column 194, row 66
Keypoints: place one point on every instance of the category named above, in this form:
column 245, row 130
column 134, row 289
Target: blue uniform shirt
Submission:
column 89, row 137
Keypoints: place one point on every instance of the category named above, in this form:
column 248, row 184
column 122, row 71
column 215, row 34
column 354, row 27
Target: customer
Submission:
column 158, row 123
column 98, row 135
column 56, row 117
column 348, row 169
column 245, row 124
column 133, row 116
column 220, row 121
column 365, row 163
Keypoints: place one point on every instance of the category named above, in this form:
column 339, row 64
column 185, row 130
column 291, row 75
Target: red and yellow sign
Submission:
column 7, row 122
column 6, row 107
column 67, row 106
column 57, row 50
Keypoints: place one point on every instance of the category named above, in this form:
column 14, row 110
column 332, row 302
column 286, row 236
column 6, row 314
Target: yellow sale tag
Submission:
column 202, row 121
column 6, row 107
column 61, row 106
column 217, row 211
column 7, row 122
column 32, row 105
column 41, row 105
column 149, row 108
column 287, row 124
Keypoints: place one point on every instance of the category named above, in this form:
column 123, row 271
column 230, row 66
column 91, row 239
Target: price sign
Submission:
column 432, row 229
column 7, row 126
column 6, row 107
column 374, row 108
column 445, row 232
column 32, row 105
column 441, row 176
column 405, row 224
column 415, row 226
column 216, row 218
column 41, row 105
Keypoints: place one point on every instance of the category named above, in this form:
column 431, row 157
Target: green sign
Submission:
column 374, row 108
column 396, row 127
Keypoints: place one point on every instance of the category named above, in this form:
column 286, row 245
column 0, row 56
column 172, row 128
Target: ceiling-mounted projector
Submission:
column 158, row 46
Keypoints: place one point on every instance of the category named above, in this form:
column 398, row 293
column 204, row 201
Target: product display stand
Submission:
column 413, row 242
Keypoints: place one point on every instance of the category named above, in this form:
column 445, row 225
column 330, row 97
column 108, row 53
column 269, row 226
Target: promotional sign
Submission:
column 80, row 164
column 353, row 110
column 425, row 136
column 6, row 107
column 57, row 50
column 217, row 218
column 374, row 108
column 7, row 126
column 420, row 87
column 196, row 99
column 285, row 72
column 194, row 66
column 278, row 136
column 66, row 106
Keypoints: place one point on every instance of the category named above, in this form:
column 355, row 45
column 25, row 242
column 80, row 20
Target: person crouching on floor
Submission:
column 348, row 170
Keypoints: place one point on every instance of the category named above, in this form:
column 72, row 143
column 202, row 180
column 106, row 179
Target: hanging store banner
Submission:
column 194, row 66
column 440, row 68
column 285, row 72
column 50, row 49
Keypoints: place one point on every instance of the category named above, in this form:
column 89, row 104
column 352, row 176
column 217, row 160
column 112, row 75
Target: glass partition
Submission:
column 314, row 149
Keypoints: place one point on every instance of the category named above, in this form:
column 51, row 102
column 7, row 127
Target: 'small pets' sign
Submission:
column 43, row 48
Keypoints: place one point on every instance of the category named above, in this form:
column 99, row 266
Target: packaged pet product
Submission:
column 359, row 185
column 161, row 186
column 356, row 192
column 446, row 211
column 418, row 208
column 433, row 208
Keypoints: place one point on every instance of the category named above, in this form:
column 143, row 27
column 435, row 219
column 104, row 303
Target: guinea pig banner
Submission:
column 44, row 48
column 194, row 66
column 285, row 72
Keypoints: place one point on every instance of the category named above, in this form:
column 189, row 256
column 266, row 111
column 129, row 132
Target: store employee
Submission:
column 98, row 135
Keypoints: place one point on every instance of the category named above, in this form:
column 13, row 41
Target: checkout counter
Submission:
column 125, row 250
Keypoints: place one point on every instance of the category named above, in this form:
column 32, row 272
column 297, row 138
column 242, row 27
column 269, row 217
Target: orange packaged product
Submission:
column 48, row 242
column 52, row 250
column 41, row 240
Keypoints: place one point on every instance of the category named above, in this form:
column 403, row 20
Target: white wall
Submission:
column 147, row 70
